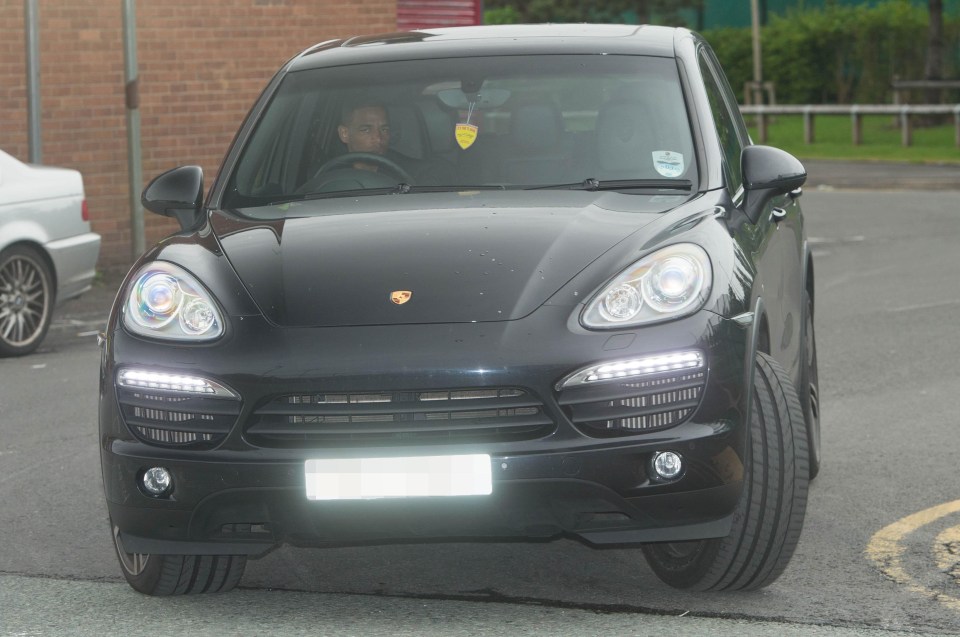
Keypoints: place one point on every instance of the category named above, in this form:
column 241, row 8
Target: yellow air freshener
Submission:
column 466, row 135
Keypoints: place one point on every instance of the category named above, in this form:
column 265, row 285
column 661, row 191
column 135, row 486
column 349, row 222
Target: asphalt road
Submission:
column 880, row 551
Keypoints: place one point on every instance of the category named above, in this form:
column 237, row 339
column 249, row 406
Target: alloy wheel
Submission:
column 24, row 300
column 132, row 563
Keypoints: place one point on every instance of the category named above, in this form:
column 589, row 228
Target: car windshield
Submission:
column 592, row 122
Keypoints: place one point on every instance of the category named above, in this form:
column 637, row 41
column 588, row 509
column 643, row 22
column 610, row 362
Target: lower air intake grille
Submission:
column 415, row 417
column 632, row 406
column 162, row 418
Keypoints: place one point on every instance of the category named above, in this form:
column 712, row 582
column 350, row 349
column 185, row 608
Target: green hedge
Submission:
column 839, row 54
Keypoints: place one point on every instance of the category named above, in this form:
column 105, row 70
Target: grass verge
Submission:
column 881, row 139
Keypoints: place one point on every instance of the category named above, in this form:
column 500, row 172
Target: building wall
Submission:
column 202, row 64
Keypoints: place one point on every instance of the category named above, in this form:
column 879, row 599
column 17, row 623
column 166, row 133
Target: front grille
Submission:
column 415, row 417
column 166, row 419
column 632, row 406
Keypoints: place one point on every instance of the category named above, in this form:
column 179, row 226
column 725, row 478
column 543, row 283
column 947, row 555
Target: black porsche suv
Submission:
column 484, row 282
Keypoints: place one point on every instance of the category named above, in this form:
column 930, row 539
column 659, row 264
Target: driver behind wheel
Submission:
column 364, row 128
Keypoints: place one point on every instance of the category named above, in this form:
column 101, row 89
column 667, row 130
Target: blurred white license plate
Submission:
column 363, row 478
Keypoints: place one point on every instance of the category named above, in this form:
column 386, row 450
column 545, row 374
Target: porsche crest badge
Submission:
column 400, row 296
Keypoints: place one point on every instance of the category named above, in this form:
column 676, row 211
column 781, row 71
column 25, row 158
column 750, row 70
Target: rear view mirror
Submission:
column 768, row 172
column 485, row 99
column 177, row 193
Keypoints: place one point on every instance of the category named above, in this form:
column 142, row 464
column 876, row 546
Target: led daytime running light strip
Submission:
column 671, row 363
column 634, row 367
column 138, row 378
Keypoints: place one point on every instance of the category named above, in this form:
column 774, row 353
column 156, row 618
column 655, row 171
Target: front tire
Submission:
column 26, row 300
column 769, row 516
column 178, row 574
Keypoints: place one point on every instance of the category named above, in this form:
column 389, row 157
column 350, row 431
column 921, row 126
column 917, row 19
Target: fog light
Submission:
column 667, row 465
column 157, row 481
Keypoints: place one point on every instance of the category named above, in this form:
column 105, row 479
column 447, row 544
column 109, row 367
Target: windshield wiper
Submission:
column 593, row 184
column 399, row 189
column 356, row 192
column 456, row 188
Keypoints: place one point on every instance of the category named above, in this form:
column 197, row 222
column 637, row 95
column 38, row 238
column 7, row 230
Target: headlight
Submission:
column 166, row 302
column 669, row 283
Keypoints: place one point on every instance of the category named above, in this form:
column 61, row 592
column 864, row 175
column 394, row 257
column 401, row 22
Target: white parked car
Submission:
column 47, row 252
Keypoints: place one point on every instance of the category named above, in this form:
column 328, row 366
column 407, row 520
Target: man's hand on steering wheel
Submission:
column 366, row 158
column 342, row 169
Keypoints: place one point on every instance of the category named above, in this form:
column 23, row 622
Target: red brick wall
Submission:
column 202, row 64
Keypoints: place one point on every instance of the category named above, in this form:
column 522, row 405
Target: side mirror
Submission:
column 177, row 193
column 768, row 172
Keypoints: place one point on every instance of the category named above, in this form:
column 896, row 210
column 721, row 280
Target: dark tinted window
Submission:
column 728, row 122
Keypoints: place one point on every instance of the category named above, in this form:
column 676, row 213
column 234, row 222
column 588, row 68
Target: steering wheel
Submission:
column 366, row 158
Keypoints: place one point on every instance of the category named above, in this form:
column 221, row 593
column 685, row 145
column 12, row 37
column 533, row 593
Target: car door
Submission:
column 763, row 244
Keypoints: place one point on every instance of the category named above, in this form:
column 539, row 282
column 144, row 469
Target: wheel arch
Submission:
column 759, row 341
column 39, row 249
column 808, row 274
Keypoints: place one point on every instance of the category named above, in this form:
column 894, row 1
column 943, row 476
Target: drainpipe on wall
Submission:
column 132, row 93
column 33, row 80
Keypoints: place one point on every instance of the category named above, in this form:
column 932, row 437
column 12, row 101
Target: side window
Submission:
column 729, row 124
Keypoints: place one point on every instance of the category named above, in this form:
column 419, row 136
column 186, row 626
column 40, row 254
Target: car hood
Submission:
column 461, row 257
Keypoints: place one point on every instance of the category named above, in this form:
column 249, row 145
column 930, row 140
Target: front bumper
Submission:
column 244, row 493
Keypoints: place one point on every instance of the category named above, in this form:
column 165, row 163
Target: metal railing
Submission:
column 905, row 87
column 856, row 112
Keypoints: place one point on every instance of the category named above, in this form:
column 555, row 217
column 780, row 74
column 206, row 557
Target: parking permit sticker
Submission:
column 668, row 163
column 466, row 133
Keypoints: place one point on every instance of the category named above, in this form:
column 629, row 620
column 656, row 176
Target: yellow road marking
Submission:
column 947, row 549
column 886, row 550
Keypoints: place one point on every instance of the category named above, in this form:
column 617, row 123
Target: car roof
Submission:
column 544, row 39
